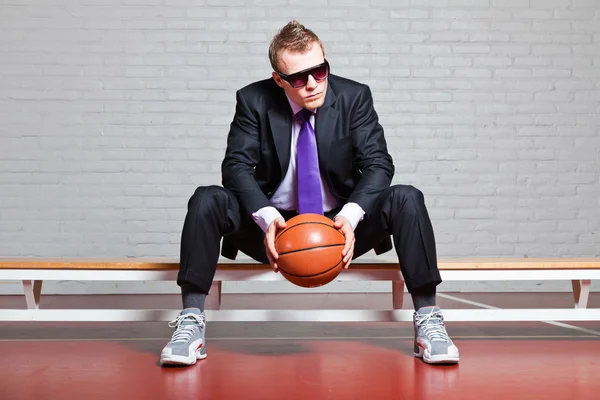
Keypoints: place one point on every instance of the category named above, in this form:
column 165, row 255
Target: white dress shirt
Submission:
column 285, row 197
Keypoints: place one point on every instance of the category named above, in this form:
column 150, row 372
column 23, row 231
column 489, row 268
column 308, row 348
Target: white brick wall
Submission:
column 113, row 111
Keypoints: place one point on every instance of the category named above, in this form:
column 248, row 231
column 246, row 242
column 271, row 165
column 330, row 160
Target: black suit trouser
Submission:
column 214, row 212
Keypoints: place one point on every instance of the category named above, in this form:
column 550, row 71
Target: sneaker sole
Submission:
column 181, row 360
column 440, row 359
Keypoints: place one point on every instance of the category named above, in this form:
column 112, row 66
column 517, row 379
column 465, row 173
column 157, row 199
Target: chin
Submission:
column 316, row 103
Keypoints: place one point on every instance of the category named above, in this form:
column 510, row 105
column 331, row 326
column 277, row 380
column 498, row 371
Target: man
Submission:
column 306, row 141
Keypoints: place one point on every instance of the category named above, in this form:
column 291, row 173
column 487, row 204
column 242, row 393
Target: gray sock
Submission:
column 424, row 296
column 192, row 297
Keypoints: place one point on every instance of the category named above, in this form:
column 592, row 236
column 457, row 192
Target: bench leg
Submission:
column 33, row 290
column 397, row 294
column 215, row 295
column 581, row 292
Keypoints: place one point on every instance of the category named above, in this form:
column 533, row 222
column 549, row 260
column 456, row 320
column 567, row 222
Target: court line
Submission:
column 489, row 307
column 342, row 338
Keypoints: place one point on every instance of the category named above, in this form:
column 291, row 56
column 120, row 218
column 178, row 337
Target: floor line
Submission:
column 489, row 307
column 306, row 338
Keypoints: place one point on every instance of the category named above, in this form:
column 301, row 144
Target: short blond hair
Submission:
column 293, row 37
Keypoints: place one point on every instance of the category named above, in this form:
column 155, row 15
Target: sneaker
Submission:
column 432, row 342
column 187, row 343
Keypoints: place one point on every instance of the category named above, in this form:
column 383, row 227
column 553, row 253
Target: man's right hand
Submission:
column 274, row 228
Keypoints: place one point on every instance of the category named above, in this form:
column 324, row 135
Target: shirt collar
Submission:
column 295, row 107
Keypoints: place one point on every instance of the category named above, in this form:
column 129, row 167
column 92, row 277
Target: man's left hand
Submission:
column 344, row 226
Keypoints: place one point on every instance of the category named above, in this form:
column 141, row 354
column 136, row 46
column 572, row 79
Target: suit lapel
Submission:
column 280, row 121
column 325, row 122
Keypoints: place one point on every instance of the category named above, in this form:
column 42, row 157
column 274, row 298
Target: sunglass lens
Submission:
column 299, row 80
column 320, row 72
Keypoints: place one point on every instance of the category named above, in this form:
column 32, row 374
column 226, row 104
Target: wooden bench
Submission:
column 32, row 272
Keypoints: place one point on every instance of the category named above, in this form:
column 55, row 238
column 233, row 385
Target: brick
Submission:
column 472, row 73
column 452, row 62
column 554, row 96
column 469, row 25
column 543, row 49
column 551, row 26
column 430, row 49
column 509, row 3
column 509, row 49
column 470, row 49
column 512, row 27
column 573, row 15
column 429, row 26
column 531, row 38
column 429, row 3
column 446, row 36
column 586, row 49
column 454, row 84
column 550, row 4
column 572, row 61
column 431, row 73
column 432, row 96
column 551, row 73
column 530, row 14
column 402, row 38
column 585, row 4
column 411, row 61
column 489, row 37
column 491, row 61
column 409, row 14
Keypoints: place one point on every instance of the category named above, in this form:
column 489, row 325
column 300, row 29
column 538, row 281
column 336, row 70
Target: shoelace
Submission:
column 184, row 333
column 433, row 325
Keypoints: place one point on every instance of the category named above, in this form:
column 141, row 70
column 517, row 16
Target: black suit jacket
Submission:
column 353, row 156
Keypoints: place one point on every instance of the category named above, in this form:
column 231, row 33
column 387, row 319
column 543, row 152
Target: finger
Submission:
column 348, row 255
column 271, row 246
column 348, row 258
column 270, row 237
column 268, row 249
column 348, row 263
column 272, row 262
column 349, row 240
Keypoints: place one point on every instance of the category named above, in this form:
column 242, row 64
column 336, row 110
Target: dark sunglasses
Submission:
column 299, row 79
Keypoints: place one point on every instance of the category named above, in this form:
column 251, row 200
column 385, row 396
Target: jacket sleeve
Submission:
column 241, row 156
column 372, row 158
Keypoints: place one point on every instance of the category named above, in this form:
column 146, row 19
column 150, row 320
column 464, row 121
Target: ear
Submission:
column 277, row 79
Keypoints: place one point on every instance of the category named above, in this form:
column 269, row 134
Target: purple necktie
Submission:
column 309, row 179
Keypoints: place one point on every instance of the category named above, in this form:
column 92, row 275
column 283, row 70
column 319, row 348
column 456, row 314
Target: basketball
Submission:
column 310, row 250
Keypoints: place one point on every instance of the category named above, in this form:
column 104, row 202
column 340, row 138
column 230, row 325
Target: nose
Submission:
column 311, row 84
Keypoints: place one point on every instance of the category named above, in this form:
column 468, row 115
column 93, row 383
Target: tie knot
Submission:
column 304, row 115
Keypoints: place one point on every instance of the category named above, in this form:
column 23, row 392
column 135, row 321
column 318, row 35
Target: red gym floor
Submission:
column 62, row 361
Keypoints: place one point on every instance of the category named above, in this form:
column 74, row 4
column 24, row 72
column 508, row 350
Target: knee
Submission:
column 207, row 198
column 408, row 198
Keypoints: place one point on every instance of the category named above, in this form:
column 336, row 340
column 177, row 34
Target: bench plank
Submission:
column 295, row 315
column 382, row 263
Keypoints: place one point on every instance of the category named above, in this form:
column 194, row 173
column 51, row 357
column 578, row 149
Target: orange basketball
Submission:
column 310, row 250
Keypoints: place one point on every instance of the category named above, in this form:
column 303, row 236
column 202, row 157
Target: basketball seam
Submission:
column 312, row 248
column 304, row 223
column 311, row 276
